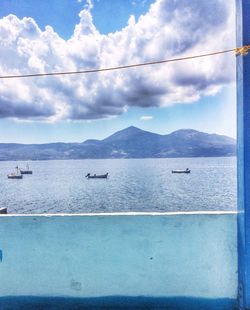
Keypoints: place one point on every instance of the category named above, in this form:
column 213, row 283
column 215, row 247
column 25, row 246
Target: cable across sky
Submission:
column 243, row 50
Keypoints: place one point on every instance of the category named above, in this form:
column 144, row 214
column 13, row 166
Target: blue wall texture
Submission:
column 173, row 259
column 243, row 104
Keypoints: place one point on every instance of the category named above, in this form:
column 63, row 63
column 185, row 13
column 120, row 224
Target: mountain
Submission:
column 131, row 142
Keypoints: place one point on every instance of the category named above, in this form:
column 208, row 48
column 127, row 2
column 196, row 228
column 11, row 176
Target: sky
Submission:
column 64, row 35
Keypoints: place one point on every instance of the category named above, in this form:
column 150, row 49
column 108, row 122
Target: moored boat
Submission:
column 96, row 176
column 27, row 171
column 16, row 174
column 182, row 171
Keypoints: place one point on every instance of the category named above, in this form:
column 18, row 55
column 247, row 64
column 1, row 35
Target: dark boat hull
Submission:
column 26, row 172
column 184, row 171
column 97, row 177
column 102, row 176
column 18, row 177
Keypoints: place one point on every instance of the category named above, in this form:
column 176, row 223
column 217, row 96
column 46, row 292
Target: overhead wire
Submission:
column 243, row 50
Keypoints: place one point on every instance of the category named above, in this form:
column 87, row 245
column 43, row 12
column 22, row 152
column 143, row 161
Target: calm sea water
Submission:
column 133, row 185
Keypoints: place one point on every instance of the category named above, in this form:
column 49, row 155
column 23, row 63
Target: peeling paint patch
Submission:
column 1, row 256
column 76, row 286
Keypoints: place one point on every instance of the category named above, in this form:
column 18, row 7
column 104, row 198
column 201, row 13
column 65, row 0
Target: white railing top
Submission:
column 124, row 214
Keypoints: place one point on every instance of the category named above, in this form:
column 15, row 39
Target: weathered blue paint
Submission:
column 1, row 256
column 243, row 120
column 116, row 303
column 180, row 255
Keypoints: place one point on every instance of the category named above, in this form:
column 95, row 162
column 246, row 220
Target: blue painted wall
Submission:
column 190, row 255
column 243, row 106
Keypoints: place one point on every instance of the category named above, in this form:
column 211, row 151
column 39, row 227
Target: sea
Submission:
column 133, row 185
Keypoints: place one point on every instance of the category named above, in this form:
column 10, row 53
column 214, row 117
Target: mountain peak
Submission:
column 132, row 129
column 126, row 133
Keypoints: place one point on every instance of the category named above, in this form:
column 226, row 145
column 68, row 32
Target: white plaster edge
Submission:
column 122, row 214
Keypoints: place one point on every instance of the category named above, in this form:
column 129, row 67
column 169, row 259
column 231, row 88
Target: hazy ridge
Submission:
column 131, row 142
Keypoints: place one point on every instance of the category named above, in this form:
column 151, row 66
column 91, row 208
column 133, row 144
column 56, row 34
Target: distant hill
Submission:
column 131, row 142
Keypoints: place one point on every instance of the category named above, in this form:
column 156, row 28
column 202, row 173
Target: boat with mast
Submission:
column 15, row 175
column 26, row 171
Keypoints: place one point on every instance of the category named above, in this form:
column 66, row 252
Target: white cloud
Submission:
column 169, row 29
column 146, row 118
column 89, row 4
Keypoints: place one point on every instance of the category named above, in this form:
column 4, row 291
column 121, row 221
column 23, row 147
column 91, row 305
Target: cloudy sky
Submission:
column 61, row 35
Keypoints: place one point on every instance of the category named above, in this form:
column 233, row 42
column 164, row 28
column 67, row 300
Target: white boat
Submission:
column 96, row 176
column 16, row 174
column 181, row 171
column 26, row 171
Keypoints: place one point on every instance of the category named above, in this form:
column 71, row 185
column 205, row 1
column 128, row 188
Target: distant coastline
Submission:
column 131, row 142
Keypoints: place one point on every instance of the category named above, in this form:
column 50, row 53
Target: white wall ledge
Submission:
column 122, row 214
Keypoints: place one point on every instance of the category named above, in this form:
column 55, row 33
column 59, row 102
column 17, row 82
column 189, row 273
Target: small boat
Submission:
column 15, row 175
column 27, row 171
column 96, row 176
column 181, row 171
